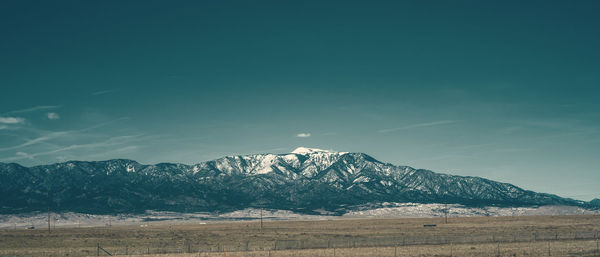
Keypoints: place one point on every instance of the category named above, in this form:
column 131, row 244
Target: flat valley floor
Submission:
column 573, row 235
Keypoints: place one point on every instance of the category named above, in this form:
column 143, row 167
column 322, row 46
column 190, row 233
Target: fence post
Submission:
column 98, row 249
column 498, row 250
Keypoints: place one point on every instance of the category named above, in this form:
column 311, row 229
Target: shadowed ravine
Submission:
column 303, row 181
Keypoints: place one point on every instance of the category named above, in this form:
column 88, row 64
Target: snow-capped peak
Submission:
column 306, row 150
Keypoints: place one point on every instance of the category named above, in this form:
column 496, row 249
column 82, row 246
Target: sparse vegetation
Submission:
column 478, row 236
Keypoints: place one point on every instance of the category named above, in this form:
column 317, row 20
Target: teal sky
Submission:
column 506, row 90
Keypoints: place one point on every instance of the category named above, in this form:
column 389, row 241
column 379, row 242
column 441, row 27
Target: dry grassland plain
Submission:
column 575, row 235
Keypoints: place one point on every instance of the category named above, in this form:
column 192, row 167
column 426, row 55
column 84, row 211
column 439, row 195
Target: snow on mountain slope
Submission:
column 304, row 180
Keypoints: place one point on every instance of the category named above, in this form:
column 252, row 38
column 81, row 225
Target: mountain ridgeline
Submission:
column 304, row 180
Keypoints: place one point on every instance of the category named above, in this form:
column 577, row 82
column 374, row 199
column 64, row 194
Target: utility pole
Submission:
column 48, row 219
column 446, row 213
column 261, row 218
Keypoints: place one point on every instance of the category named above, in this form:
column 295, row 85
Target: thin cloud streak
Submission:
column 107, row 143
column 303, row 135
column 104, row 92
column 103, row 124
column 12, row 120
column 37, row 140
column 419, row 125
column 53, row 135
column 35, row 108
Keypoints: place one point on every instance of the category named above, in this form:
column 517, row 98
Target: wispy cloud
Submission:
column 34, row 141
column 114, row 141
column 303, row 135
column 54, row 135
column 127, row 149
column 104, row 124
column 53, row 116
column 35, row 108
column 104, row 92
column 418, row 125
column 12, row 120
column 25, row 155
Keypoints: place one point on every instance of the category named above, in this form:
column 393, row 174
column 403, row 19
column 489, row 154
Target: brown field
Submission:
column 575, row 235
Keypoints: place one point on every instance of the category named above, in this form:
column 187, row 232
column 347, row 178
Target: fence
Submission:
column 188, row 246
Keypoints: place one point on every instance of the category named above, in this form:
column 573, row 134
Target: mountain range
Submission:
column 305, row 180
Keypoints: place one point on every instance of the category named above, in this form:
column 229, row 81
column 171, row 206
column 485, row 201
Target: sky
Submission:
column 506, row 90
